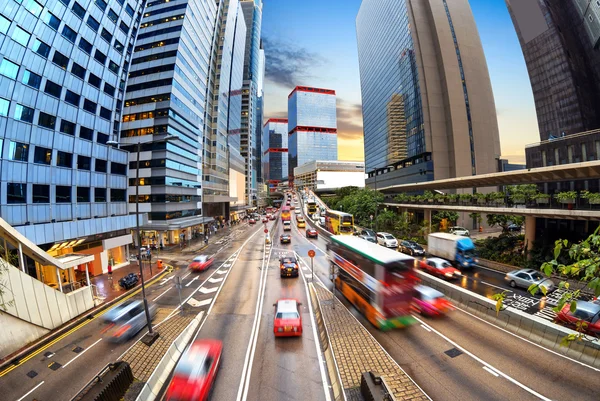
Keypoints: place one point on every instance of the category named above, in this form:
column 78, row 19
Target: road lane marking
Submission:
column 205, row 302
column 481, row 361
column 184, row 277
column 529, row 341
column 208, row 290
column 490, row 371
column 426, row 328
column 191, row 281
column 167, row 290
column 221, row 271
column 215, row 280
column 495, row 286
column 81, row 353
column 30, row 391
column 166, row 280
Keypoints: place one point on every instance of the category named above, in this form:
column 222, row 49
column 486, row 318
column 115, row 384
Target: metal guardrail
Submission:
column 110, row 384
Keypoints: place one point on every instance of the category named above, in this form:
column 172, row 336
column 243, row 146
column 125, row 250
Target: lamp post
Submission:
column 152, row 335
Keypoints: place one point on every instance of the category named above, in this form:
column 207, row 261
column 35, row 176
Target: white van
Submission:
column 322, row 221
column 287, row 226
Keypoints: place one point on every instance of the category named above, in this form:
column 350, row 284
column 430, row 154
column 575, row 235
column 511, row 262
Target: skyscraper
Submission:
column 166, row 95
column 63, row 67
column 410, row 54
column 312, row 126
column 275, row 156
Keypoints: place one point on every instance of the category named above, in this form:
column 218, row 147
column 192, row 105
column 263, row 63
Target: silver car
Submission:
column 526, row 277
column 127, row 319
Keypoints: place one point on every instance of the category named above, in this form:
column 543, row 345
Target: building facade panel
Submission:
column 275, row 154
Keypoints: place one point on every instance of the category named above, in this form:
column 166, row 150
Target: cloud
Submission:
column 288, row 64
column 349, row 120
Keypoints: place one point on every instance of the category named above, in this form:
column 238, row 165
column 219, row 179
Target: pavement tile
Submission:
column 357, row 352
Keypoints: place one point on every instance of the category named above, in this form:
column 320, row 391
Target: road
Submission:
column 461, row 357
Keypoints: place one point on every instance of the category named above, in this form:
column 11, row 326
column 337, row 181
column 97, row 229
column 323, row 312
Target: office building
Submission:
column 275, row 154
column 63, row 67
column 312, row 126
column 428, row 106
column 329, row 175
column 165, row 96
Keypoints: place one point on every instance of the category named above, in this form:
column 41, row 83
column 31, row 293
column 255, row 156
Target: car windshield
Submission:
column 287, row 315
column 537, row 276
column 288, row 260
column 388, row 236
column 193, row 364
column 200, row 258
column 344, row 229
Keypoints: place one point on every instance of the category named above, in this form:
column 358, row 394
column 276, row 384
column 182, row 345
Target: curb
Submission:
column 15, row 358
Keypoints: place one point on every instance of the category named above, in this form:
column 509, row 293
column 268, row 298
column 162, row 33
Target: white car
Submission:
column 387, row 240
column 297, row 211
column 456, row 230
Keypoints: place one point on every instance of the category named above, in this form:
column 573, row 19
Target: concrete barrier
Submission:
column 533, row 328
column 153, row 387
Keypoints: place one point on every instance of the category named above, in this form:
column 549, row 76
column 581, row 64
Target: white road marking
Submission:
column 167, row 290
column 195, row 303
column 308, row 275
column 481, row 361
column 490, row 371
column 191, row 281
column 227, row 265
column 221, row 271
column 81, row 353
column 495, row 286
column 426, row 328
column 30, row 391
column 208, row 290
column 166, row 280
column 184, row 277
column 546, row 313
column 205, row 302
column 215, row 280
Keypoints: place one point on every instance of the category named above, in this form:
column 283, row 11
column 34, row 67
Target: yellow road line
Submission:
column 51, row 343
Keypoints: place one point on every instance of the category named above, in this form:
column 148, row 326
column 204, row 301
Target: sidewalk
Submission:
column 109, row 288
column 356, row 351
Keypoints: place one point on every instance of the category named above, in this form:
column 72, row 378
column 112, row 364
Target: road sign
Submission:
column 311, row 253
column 266, row 230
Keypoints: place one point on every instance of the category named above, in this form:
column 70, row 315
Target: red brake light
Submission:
column 122, row 330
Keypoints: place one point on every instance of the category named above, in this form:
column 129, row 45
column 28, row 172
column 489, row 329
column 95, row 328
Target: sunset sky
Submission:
column 313, row 43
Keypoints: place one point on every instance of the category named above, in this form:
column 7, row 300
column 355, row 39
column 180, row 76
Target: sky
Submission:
column 313, row 43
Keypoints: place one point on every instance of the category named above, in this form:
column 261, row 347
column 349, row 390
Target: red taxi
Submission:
column 201, row 262
column 312, row 233
column 288, row 321
column 430, row 302
column 440, row 267
column 195, row 373
column 252, row 221
column 586, row 314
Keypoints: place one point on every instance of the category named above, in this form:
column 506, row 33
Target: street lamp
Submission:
column 152, row 335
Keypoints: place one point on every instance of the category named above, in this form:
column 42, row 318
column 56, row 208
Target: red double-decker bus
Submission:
column 286, row 215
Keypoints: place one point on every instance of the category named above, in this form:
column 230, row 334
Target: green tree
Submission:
column 403, row 225
column 449, row 215
column 476, row 217
column 504, row 220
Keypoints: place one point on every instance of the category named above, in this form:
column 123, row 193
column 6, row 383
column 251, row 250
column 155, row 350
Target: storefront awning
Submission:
column 74, row 259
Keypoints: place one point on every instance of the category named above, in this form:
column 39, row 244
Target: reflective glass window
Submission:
column 118, row 46
column 42, row 155
column 105, row 113
column 117, row 195
column 4, row 106
column 101, row 4
column 85, row 46
column 94, row 80
column 16, row 193
column 109, row 89
column 63, row 194
column 83, row 194
column 24, row 113
column 78, row 10
column 31, row 79
column 60, row 60
column 67, row 127
column 92, row 23
column 18, row 151
column 41, row 193
column 90, row 106
column 64, row 159
column 33, row 7
column 53, row 89
column 78, row 70
column 99, row 194
column 69, row 34
column 129, row 10
column 46, row 120
column 113, row 16
column 4, row 24
column 9, row 69
column 84, row 162
column 106, row 35
column 51, row 20
column 86, row 133
column 41, row 48
column 72, row 98
column 21, row 36
column 114, row 67
column 100, row 57
column 100, row 166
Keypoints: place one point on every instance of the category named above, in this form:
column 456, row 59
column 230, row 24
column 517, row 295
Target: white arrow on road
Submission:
column 166, row 280
column 208, row 290
column 191, row 281
column 215, row 280
column 221, row 271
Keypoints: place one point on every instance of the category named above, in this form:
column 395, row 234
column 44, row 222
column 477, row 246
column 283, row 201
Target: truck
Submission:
column 459, row 250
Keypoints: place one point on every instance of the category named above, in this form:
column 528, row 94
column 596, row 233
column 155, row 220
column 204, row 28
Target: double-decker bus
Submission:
column 378, row 281
column 285, row 213
column 339, row 222
column 311, row 207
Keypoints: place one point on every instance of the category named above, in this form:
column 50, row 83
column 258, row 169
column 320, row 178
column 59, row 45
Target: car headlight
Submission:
column 476, row 260
column 448, row 274
column 458, row 273
column 465, row 264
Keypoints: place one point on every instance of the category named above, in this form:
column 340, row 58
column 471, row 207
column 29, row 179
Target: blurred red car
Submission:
column 312, row 233
column 252, row 221
column 588, row 312
column 201, row 263
column 265, row 220
column 430, row 302
column 288, row 321
column 440, row 267
column 195, row 373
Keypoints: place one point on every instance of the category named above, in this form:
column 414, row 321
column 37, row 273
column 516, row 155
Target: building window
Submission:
column 78, row 70
column 69, row 34
column 42, row 155
column 4, row 106
column 129, row 10
column 101, row 4
column 584, row 157
column 47, row 120
column 31, row 79
column 105, row 113
column 101, row 138
column 83, row 194
column 544, row 161
column 118, row 168
column 78, row 10
column 90, row 106
column 9, row 69
column 117, row 195
column 4, row 24
column 64, row 159
column 41, row 48
column 21, row 36
column 100, row 195
column 60, row 60
column 100, row 57
column 65, row 2
column 72, row 98
column 85, row 46
column 94, row 80
column 86, row 133
column 109, row 89
column 84, row 162
column 106, row 35
column 100, row 166
column 118, row 46
column 92, row 23
column 114, row 67
column 63, row 194
column 16, row 193
column 18, row 151
column 41, row 193
column 33, row 7
column 51, row 20
column 123, row 27
column 113, row 16
column 53, row 89
column 67, row 127
column 24, row 113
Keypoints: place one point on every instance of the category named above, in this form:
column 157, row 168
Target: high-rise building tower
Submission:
column 251, row 121
column 312, row 126
column 63, row 66
column 426, row 89
column 166, row 95
column 560, row 40
column 275, row 155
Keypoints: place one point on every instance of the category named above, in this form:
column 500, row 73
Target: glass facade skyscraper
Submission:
column 275, row 155
column 428, row 106
column 63, row 66
column 312, row 125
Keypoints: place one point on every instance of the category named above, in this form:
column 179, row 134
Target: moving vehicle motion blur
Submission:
column 285, row 238
column 460, row 251
column 312, row 233
column 411, row 248
column 288, row 321
column 311, row 207
column 377, row 280
column 126, row 320
column 339, row 222
column 586, row 313
column 285, row 213
column 201, row 262
column 440, row 267
column 195, row 373
column 387, row 240
column 288, row 266
column 526, row 277
column 430, row 302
